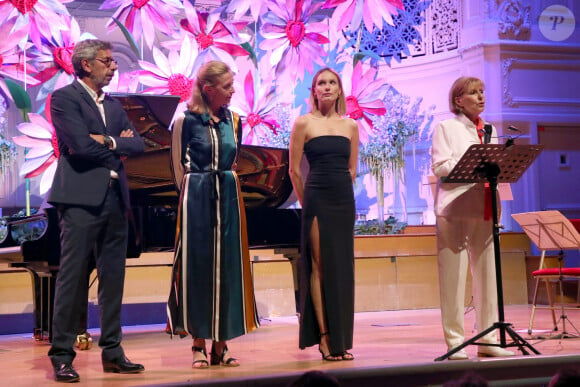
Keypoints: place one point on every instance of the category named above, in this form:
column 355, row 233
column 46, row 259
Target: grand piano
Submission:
column 266, row 188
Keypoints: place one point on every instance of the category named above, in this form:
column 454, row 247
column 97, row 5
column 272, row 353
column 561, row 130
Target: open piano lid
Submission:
column 263, row 171
column 151, row 116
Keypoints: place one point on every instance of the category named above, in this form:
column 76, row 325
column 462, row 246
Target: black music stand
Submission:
column 494, row 163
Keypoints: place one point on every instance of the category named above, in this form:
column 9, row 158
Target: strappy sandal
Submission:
column 347, row 356
column 200, row 363
column 221, row 359
column 330, row 356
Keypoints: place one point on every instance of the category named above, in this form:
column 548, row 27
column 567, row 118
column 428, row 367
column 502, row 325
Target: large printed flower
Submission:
column 212, row 38
column 53, row 60
column 255, row 101
column 39, row 17
column 295, row 42
column 39, row 137
column 123, row 83
column 240, row 7
column 143, row 17
column 171, row 74
column 12, row 59
column 354, row 12
column 364, row 96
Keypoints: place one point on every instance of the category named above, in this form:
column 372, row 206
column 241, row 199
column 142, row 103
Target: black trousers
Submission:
column 85, row 231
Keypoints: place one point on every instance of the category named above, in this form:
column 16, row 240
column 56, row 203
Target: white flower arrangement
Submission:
column 7, row 147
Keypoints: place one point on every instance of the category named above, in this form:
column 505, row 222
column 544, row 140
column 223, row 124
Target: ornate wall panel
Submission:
column 514, row 19
column 444, row 17
column 424, row 29
column 537, row 82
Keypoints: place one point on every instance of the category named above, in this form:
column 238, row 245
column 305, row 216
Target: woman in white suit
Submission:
column 464, row 222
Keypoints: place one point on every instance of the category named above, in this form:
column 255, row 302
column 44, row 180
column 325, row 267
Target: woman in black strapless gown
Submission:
column 326, row 266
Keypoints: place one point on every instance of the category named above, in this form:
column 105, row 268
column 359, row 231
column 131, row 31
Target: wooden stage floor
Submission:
column 395, row 348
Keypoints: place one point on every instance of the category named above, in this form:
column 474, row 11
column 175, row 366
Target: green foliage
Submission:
column 250, row 50
column 129, row 38
column 20, row 97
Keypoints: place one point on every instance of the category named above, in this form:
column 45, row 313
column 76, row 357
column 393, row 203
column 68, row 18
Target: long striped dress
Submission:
column 211, row 295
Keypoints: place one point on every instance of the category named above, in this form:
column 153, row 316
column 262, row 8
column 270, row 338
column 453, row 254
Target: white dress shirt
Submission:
column 99, row 98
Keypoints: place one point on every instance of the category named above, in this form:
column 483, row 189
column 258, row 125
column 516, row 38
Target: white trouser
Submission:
column 457, row 241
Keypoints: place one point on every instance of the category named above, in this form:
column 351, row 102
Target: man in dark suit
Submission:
column 90, row 192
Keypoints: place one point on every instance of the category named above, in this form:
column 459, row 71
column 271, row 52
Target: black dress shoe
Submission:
column 122, row 365
column 64, row 372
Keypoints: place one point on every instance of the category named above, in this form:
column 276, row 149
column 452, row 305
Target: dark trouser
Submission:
column 86, row 230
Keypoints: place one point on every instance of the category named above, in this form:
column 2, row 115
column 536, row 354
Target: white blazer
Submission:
column 451, row 139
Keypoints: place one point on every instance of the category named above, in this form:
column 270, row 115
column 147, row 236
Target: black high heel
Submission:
column 201, row 363
column 330, row 356
column 220, row 359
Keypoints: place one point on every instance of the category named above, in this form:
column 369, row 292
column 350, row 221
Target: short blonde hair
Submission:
column 459, row 88
column 340, row 104
column 208, row 74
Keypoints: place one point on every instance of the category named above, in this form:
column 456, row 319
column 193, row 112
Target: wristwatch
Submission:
column 108, row 142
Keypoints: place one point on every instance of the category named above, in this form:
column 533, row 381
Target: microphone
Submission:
column 511, row 140
column 487, row 135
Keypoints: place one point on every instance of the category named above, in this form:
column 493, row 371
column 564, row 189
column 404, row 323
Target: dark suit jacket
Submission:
column 83, row 170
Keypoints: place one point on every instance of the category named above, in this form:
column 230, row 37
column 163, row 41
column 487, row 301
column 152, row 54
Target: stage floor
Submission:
column 387, row 346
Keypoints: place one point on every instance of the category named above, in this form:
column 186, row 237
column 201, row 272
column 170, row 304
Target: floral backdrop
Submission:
column 274, row 47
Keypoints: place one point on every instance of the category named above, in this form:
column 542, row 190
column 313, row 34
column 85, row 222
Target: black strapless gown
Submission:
column 329, row 197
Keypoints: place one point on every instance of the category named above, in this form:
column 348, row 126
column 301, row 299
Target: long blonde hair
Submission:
column 340, row 104
column 208, row 74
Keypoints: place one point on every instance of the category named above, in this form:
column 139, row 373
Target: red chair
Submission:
column 556, row 275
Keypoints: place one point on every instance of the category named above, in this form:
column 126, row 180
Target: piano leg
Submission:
column 292, row 254
column 43, row 284
column 43, row 295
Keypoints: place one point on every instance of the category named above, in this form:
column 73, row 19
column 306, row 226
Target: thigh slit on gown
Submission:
column 329, row 198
